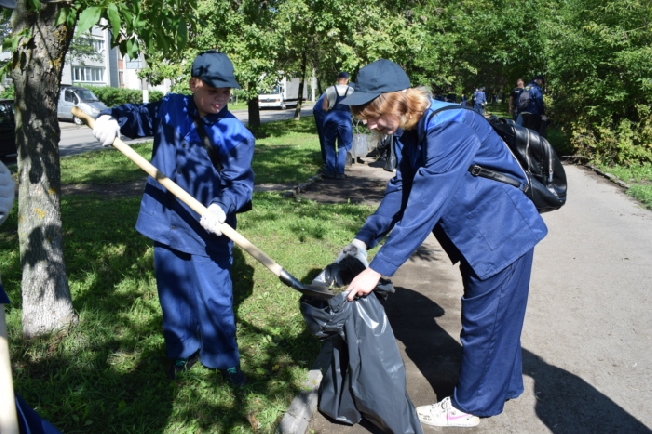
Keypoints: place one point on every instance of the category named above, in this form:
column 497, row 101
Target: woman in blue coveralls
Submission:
column 192, row 259
column 489, row 227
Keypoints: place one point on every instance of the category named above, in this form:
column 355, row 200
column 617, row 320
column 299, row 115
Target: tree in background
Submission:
column 41, row 37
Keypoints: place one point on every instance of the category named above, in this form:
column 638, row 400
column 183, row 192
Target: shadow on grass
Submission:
column 108, row 373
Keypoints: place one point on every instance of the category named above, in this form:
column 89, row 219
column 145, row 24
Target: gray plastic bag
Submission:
column 366, row 376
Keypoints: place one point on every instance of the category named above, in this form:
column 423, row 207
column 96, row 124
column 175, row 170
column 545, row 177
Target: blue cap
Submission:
column 215, row 69
column 9, row 4
column 378, row 77
column 343, row 74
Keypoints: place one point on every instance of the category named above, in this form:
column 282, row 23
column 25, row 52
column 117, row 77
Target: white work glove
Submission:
column 212, row 221
column 357, row 248
column 106, row 129
column 7, row 192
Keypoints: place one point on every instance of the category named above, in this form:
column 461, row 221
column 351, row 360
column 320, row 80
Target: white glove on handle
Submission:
column 7, row 192
column 106, row 129
column 211, row 221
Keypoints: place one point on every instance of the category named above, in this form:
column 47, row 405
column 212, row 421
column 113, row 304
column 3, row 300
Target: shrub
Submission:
column 112, row 96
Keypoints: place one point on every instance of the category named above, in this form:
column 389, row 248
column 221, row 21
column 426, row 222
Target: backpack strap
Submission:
column 481, row 171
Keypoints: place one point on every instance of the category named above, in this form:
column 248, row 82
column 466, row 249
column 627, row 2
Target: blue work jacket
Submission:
column 487, row 223
column 179, row 154
column 535, row 105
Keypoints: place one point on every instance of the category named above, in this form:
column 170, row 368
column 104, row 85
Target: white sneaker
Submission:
column 444, row 414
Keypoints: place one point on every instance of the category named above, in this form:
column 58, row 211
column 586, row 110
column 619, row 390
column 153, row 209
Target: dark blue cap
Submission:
column 378, row 77
column 343, row 74
column 215, row 69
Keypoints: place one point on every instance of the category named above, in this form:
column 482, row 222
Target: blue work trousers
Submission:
column 493, row 311
column 479, row 109
column 337, row 128
column 196, row 298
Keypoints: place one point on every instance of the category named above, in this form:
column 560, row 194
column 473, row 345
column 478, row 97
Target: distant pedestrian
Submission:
column 513, row 97
column 479, row 101
column 531, row 115
column 338, row 128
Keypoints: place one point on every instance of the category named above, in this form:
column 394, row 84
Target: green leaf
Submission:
column 88, row 18
column 114, row 18
column 182, row 34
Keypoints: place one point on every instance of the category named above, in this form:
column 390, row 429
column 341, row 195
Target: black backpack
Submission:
column 546, row 175
column 523, row 101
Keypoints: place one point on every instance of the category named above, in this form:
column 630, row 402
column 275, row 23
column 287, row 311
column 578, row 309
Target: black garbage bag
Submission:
column 366, row 376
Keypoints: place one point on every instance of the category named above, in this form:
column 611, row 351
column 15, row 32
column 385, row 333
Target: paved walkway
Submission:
column 587, row 339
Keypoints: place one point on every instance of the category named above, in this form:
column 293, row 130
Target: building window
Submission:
column 98, row 44
column 89, row 74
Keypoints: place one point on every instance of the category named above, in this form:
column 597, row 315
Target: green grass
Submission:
column 639, row 179
column 106, row 374
column 286, row 152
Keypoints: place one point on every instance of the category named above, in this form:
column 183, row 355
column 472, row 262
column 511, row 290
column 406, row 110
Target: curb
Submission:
column 609, row 176
column 299, row 414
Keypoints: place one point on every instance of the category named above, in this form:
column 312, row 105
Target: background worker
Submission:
column 192, row 260
column 513, row 97
column 479, row 101
column 338, row 128
column 532, row 114
column 490, row 228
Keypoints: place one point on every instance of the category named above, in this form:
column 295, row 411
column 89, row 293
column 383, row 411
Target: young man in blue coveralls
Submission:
column 192, row 259
column 337, row 127
column 489, row 227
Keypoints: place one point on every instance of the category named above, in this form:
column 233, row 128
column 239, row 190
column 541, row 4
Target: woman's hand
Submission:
column 363, row 284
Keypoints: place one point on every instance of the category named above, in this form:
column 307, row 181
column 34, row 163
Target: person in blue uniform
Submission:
column 490, row 228
column 192, row 260
column 479, row 101
column 338, row 128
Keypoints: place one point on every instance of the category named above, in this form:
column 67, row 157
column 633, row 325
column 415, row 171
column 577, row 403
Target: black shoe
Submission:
column 329, row 175
column 181, row 365
column 340, row 176
column 234, row 376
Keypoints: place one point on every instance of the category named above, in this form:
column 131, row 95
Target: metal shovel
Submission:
column 312, row 290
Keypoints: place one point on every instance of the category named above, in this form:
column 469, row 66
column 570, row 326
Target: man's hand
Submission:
column 212, row 221
column 106, row 129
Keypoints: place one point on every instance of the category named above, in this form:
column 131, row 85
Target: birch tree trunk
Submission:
column 36, row 69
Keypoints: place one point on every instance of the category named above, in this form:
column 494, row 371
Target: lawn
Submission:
column 106, row 374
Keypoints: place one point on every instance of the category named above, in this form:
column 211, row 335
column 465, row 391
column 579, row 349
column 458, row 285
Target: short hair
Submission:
column 408, row 106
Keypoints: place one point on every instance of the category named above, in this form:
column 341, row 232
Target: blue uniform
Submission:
column 338, row 126
column 192, row 266
column 535, row 106
column 480, row 98
column 488, row 226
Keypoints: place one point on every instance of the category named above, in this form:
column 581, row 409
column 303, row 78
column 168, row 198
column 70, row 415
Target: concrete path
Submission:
column 587, row 339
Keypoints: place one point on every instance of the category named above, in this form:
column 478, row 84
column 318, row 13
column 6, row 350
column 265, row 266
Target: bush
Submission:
column 112, row 96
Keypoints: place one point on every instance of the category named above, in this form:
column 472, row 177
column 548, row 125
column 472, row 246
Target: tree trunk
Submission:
column 297, row 113
column 36, row 68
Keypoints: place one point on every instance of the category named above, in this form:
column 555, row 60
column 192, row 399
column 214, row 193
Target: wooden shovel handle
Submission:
column 183, row 196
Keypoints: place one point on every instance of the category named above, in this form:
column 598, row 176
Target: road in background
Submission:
column 76, row 139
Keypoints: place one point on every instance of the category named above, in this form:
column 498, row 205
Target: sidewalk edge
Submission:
column 299, row 413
